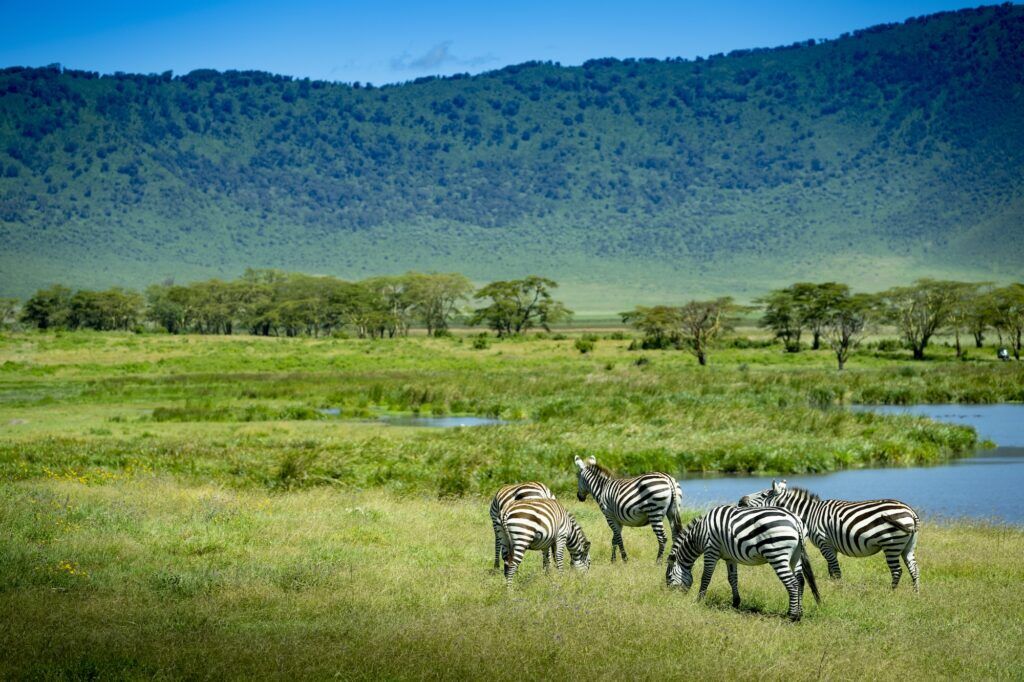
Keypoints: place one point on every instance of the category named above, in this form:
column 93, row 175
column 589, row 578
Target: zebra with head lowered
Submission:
column 744, row 536
column 636, row 501
column 544, row 525
column 856, row 529
column 505, row 496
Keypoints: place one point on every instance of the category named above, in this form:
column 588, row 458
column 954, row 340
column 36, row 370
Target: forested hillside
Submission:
column 889, row 153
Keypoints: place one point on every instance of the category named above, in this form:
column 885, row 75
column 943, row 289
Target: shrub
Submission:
column 586, row 343
column 481, row 342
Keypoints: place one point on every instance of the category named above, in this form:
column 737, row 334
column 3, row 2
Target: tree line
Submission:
column 834, row 315
column 272, row 302
column 269, row 302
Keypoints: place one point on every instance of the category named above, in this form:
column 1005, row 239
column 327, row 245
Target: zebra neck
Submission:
column 805, row 508
column 598, row 483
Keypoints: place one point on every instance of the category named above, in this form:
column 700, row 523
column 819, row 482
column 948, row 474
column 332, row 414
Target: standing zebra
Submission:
column 541, row 524
column 744, row 536
column 513, row 493
column 856, row 529
column 636, row 501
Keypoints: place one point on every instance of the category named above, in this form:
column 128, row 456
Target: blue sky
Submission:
column 384, row 42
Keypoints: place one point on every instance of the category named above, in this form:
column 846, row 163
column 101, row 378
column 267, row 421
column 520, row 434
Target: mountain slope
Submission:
column 889, row 153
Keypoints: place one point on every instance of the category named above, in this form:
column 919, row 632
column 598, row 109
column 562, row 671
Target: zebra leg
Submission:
column 559, row 550
column 829, row 553
column 545, row 555
column 911, row 561
column 710, row 559
column 512, row 564
column 783, row 566
column 734, row 583
column 617, row 539
column 659, row 532
column 892, row 557
column 497, row 546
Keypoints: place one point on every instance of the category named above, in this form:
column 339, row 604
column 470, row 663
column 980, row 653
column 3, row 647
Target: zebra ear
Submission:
column 778, row 487
column 579, row 462
column 591, row 460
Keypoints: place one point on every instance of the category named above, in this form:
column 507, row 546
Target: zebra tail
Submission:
column 506, row 543
column 900, row 520
column 674, row 512
column 805, row 561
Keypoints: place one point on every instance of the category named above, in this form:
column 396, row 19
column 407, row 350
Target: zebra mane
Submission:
column 804, row 493
column 603, row 469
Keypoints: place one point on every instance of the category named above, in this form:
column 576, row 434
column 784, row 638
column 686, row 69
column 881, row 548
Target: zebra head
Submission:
column 578, row 545
column 582, row 486
column 764, row 498
column 685, row 550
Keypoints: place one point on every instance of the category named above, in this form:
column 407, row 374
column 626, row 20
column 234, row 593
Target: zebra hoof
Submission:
column 735, row 603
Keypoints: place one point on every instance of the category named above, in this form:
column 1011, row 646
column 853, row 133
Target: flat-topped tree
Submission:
column 519, row 305
column 845, row 323
column 701, row 322
column 919, row 311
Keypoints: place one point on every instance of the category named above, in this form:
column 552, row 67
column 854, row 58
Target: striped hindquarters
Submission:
column 632, row 501
column 514, row 492
column 754, row 535
column 863, row 528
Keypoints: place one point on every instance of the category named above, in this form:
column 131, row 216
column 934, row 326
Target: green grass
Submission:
column 178, row 507
column 147, row 577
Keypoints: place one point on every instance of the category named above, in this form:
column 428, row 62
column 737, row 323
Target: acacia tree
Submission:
column 966, row 312
column 700, row 322
column 659, row 324
column 845, row 324
column 48, row 308
column 1008, row 314
column 519, row 305
column 815, row 303
column 919, row 311
column 8, row 310
column 436, row 297
column 782, row 314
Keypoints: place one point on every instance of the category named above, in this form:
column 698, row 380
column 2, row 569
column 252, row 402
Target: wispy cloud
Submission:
column 436, row 57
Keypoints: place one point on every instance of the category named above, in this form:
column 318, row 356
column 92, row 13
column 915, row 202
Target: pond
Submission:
column 987, row 486
column 447, row 422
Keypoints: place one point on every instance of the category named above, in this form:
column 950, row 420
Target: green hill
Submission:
column 888, row 153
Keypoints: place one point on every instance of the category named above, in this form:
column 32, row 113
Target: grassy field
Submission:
column 179, row 507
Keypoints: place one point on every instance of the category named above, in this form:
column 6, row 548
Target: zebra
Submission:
column 744, row 536
column 512, row 493
column 856, row 529
column 636, row 501
column 542, row 524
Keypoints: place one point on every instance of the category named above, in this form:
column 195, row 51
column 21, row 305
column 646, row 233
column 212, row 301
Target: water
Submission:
column 988, row 486
column 433, row 422
column 440, row 422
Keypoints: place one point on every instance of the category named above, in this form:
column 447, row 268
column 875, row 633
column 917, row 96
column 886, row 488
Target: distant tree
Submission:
column 48, row 308
column 8, row 311
column 519, row 305
column 659, row 324
column 845, row 323
column 700, row 322
column 783, row 314
column 919, row 311
column 170, row 306
column 965, row 312
column 1008, row 315
column 436, row 297
column 815, row 304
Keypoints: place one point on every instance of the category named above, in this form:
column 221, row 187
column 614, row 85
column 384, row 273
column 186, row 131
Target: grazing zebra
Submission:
column 636, row 501
column 856, row 529
column 508, row 494
column 744, row 536
column 541, row 524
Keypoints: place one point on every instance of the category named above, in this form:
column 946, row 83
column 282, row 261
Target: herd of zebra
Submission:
column 764, row 527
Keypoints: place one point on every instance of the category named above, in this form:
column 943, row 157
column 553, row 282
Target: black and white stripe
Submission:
column 543, row 525
column 505, row 496
column 856, row 529
column 744, row 536
column 636, row 501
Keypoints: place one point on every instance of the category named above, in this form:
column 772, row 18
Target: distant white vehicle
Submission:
column 1003, row 354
